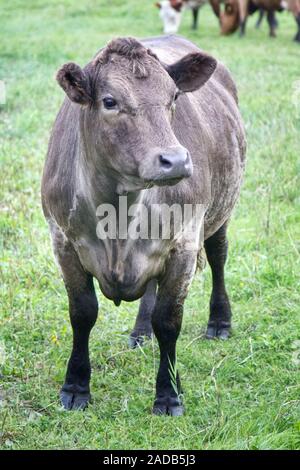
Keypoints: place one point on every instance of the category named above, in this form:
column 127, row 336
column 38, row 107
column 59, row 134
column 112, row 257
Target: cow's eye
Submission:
column 109, row 103
column 229, row 9
column 176, row 95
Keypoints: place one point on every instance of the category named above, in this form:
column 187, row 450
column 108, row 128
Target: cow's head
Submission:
column 230, row 17
column 170, row 14
column 128, row 101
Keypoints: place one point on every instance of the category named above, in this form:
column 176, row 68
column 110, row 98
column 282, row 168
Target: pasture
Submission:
column 239, row 394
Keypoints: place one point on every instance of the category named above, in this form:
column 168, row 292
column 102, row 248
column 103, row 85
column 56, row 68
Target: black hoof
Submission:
column 137, row 339
column 74, row 400
column 218, row 330
column 168, row 406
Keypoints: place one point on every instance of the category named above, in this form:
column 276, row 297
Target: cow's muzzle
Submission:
column 169, row 166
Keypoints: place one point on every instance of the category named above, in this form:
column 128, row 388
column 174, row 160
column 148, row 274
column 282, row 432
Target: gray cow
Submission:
column 156, row 122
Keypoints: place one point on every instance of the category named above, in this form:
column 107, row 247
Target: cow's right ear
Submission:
column 75, row 82
column 157, row 4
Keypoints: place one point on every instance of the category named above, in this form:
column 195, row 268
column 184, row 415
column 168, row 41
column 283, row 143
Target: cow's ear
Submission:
column 192, row 71
column 75, row 82
column 157, row 4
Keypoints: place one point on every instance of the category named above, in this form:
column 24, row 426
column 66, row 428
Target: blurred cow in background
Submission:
column 235, row 14
column 171, row 12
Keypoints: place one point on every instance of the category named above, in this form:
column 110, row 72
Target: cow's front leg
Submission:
column 83, row 309
column 243, row 27
column 166, row 322
column 143, row 327
column 260, row 18
column 243, row 14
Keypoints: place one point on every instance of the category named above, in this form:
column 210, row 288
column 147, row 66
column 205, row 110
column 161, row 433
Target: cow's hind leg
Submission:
column 83, row 310
column 143, row 327
column 219, row 323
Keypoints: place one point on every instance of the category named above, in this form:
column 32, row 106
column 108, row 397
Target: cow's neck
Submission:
column 103, row 186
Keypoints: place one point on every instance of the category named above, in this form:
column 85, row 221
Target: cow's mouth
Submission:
column 170, row 178
column 123, row 189
column 167, row 182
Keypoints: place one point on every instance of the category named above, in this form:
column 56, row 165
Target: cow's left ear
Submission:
column 75, row 82
column 192, row 71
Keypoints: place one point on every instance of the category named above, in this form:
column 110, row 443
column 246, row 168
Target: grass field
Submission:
column 240, row 394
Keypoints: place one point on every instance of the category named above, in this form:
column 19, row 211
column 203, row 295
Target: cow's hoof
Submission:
column 137, row 339
column 218, row 331
column 168, row 407
column 74, row 400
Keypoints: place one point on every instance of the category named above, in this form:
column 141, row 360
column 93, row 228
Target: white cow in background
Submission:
column 171, row 13
column 170, row 16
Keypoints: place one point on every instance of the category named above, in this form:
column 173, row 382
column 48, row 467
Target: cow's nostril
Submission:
column 173, row 163
column 165, row 162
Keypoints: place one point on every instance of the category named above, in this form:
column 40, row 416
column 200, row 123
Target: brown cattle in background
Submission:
column 235, row 14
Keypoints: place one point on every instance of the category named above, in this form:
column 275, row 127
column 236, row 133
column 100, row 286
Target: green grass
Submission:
column 240, row 394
